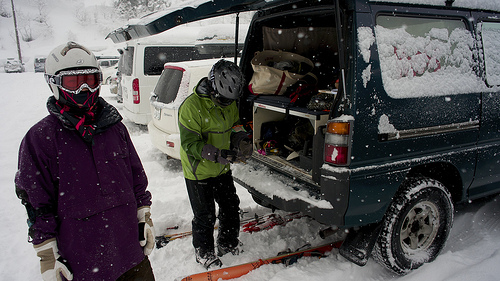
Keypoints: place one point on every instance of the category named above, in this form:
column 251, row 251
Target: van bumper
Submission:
column 138, row 118
column 159, row 139
column 326, row 204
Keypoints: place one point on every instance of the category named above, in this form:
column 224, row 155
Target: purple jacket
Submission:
column 84, row 195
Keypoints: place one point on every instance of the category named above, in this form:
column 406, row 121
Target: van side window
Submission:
column 156, row 57
column 127, row 65
column 490, row 36
column 422, row 57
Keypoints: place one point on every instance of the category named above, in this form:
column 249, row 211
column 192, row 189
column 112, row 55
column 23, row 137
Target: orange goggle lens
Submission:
column 73, row 82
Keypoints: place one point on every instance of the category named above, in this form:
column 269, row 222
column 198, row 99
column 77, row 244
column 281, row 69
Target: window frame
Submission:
column 496, row 80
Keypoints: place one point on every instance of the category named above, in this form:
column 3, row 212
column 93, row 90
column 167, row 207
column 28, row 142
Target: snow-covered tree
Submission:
column 129, row 9
column 5, row 9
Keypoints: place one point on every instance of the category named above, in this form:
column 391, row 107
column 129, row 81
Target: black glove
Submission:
column 242, row 144
column 228, row 155
column 210, row 152
column 213, row 154
column 245, row 149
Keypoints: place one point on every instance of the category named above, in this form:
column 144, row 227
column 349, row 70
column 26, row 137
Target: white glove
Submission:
column 146, row 229
column 52, row 265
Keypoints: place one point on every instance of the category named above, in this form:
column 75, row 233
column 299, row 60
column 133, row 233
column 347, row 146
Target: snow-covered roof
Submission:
column 190, row 34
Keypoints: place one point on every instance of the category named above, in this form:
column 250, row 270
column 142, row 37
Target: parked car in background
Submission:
column 113, row 83
column 107, row 61
column 13, row 65
column 109, row 66
column 108, row 73
column 116, row 85
column 175, row 84
column 144, row 59
column 39, row 64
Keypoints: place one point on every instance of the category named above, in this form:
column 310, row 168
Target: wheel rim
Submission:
column 419, row 228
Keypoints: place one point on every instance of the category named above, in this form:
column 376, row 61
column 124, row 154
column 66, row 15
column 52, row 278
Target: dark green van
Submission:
column 412, row 129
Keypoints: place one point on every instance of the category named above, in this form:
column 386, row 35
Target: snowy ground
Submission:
column 472, row 251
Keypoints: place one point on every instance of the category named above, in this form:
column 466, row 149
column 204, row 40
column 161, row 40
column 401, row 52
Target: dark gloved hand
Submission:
column 245, row 149
column 213, row 154
column 242, row 144
column 228, row 155
column 210, row 152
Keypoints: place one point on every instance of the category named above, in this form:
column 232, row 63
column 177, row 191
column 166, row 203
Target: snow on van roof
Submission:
column 190, row 34
column 222, row 32
column 179, row 5
column 492, row 5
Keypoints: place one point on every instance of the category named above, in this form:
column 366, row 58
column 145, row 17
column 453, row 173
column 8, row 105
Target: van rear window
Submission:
column 127, row 64
column 425, row 56
column 168, row 85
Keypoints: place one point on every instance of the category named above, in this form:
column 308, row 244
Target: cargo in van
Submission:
column 412, row 131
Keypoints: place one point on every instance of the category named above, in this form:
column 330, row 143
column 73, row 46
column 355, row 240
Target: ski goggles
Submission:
column 74, row 81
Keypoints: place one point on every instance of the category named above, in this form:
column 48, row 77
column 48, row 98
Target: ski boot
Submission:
column 207, row 259
column 236, row 250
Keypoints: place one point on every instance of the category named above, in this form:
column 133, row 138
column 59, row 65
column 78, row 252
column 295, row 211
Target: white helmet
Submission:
column 68, row 56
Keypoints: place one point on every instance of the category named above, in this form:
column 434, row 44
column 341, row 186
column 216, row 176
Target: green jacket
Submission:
column 202, row 122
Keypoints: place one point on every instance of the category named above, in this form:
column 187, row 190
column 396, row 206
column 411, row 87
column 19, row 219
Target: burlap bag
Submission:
column 275, row 71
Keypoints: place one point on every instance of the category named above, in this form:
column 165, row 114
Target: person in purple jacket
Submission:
column 82, row 182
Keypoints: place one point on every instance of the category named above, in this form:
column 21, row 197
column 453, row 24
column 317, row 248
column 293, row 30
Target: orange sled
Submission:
column 242, row 269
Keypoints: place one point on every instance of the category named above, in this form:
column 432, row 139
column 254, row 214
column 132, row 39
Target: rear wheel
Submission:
column 416, row 225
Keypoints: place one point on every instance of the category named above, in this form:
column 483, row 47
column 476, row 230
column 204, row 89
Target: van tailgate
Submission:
column 288, row 193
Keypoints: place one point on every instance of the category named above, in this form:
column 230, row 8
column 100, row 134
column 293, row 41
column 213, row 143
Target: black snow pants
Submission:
column 203, row 194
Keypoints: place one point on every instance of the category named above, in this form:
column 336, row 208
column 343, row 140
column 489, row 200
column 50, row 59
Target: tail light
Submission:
column 170, row 144
column 337, row 142
column 136, row 96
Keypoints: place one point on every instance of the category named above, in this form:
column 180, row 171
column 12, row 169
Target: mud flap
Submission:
column 358, row 245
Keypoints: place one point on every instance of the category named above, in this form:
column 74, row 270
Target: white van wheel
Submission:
column 416, row 225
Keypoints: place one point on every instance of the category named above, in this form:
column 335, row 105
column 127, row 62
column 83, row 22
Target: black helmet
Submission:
column 227, row 81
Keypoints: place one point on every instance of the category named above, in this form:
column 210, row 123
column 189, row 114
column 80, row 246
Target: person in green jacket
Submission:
column 211, row 139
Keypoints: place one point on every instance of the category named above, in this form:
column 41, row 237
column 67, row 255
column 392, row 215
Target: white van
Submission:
column 176, row 82
column 144, row 59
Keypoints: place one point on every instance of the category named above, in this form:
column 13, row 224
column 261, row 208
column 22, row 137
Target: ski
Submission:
column 286, row 258
column 269, row 222
column 250, row 225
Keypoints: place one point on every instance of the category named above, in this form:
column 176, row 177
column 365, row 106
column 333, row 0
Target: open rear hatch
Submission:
column 163, row 20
